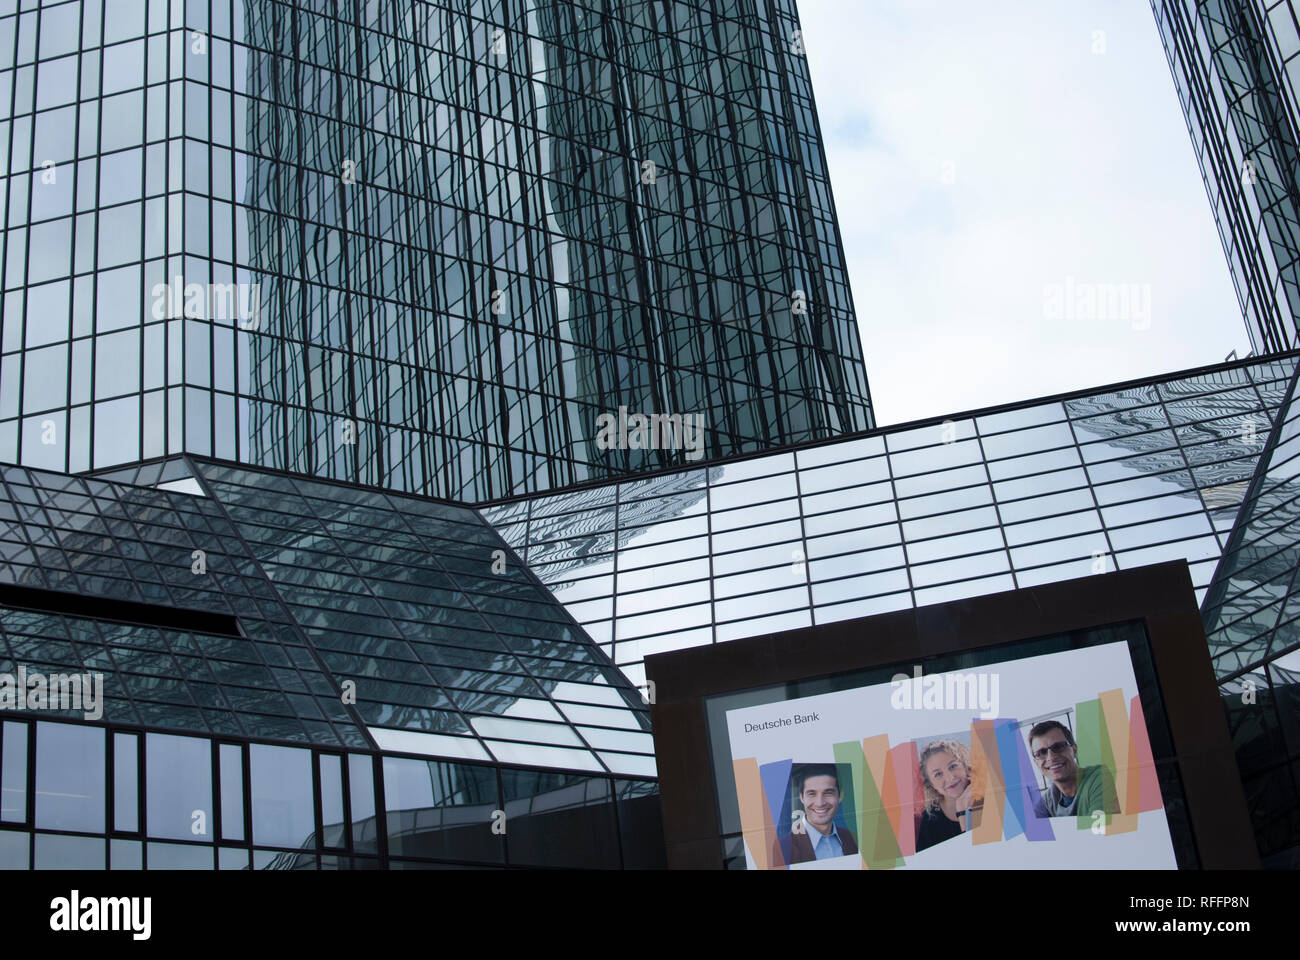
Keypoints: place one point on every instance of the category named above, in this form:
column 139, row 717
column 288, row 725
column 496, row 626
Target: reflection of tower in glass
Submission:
column 508, row 236
column 709, row 290
column 1250, row 609
column 1181, row 441
column 310, row 233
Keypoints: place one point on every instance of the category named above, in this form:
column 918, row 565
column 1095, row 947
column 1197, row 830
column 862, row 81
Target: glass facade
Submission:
column 138, row 799
column 1252, row 621
column 286, row 286
column 278, row 659
column 424, row 246
column 905, row 516
column 259, row 605
column 1236, row 64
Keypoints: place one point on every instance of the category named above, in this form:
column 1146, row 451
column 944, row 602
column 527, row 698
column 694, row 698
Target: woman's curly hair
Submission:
column 958, row 750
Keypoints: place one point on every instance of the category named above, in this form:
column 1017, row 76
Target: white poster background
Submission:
column 1030, row 687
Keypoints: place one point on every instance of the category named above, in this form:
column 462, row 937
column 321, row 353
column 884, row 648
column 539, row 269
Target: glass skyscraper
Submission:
column 311, row 313
column 1235, row 66
column 277, row 273
column 422, row 246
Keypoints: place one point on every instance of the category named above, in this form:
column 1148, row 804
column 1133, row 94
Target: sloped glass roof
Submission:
column 291, row 609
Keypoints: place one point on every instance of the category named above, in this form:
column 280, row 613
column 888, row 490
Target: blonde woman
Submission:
column 945, row 770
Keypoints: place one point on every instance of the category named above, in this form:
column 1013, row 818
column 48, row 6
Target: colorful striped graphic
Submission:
column 883, row 798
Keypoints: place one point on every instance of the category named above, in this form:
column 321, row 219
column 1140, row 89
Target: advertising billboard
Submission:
column 1036, row 762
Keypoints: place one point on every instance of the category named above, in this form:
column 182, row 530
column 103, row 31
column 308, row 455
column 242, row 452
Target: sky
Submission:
column 1020, row 205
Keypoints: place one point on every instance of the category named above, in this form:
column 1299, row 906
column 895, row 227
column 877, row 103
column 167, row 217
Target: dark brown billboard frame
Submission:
column 1161, row 596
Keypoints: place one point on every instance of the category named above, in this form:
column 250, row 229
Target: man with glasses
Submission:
column 1072, row 791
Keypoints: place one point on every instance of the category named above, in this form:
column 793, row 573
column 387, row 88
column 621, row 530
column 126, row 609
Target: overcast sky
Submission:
column 991, row 172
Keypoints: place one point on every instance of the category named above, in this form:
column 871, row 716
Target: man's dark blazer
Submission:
column 801, row 850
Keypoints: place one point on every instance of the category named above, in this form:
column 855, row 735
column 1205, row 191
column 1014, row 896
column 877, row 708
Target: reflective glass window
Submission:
column 843, row 474
column 773, row 601
column 955, row 546
column 782, row 463
column 668, row 621
column 754, row 516
column 947, row 524
column 1029, row 441
column 1034, row 464
column 15, row 850
column 936, row 434
column 847, row 498
column 232, row 858
column 1027, row 493
column 858, row 588
column 1156, row 509
column 842, row 450
column 557, row 819
column 1023, row 417
column 746, row 493
column 55, row 852
column 126, row 782
column 1160, row 531
column 125, row 855
column 669, row 596
column 929, row 574
column 946, row 480
column 944, row 456
column 863, row 516
column 13, row 773
column 331, row 800
column 1052, row 574
column 747, row 538
column 968, row 588
column 1204, row 548
column 179, row 856
column 178, row 791
column 1051, row 528
column 861, row 561
column 441, row 810
column 70, row 790
column 1072, row 548
column 283, row 807
column 768, row 555
column 361, row 784
column 232, row 792
column 945, row 502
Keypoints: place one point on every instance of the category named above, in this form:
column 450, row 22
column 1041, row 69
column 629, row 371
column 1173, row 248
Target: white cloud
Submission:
column 1066, row 163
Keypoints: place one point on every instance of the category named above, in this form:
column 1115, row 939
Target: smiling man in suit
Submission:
column 819, row 793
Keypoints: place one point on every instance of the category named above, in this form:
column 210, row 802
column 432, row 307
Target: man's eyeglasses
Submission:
column 1058, row 749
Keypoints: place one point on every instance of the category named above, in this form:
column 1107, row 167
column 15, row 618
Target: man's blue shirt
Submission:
column 824, row 847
